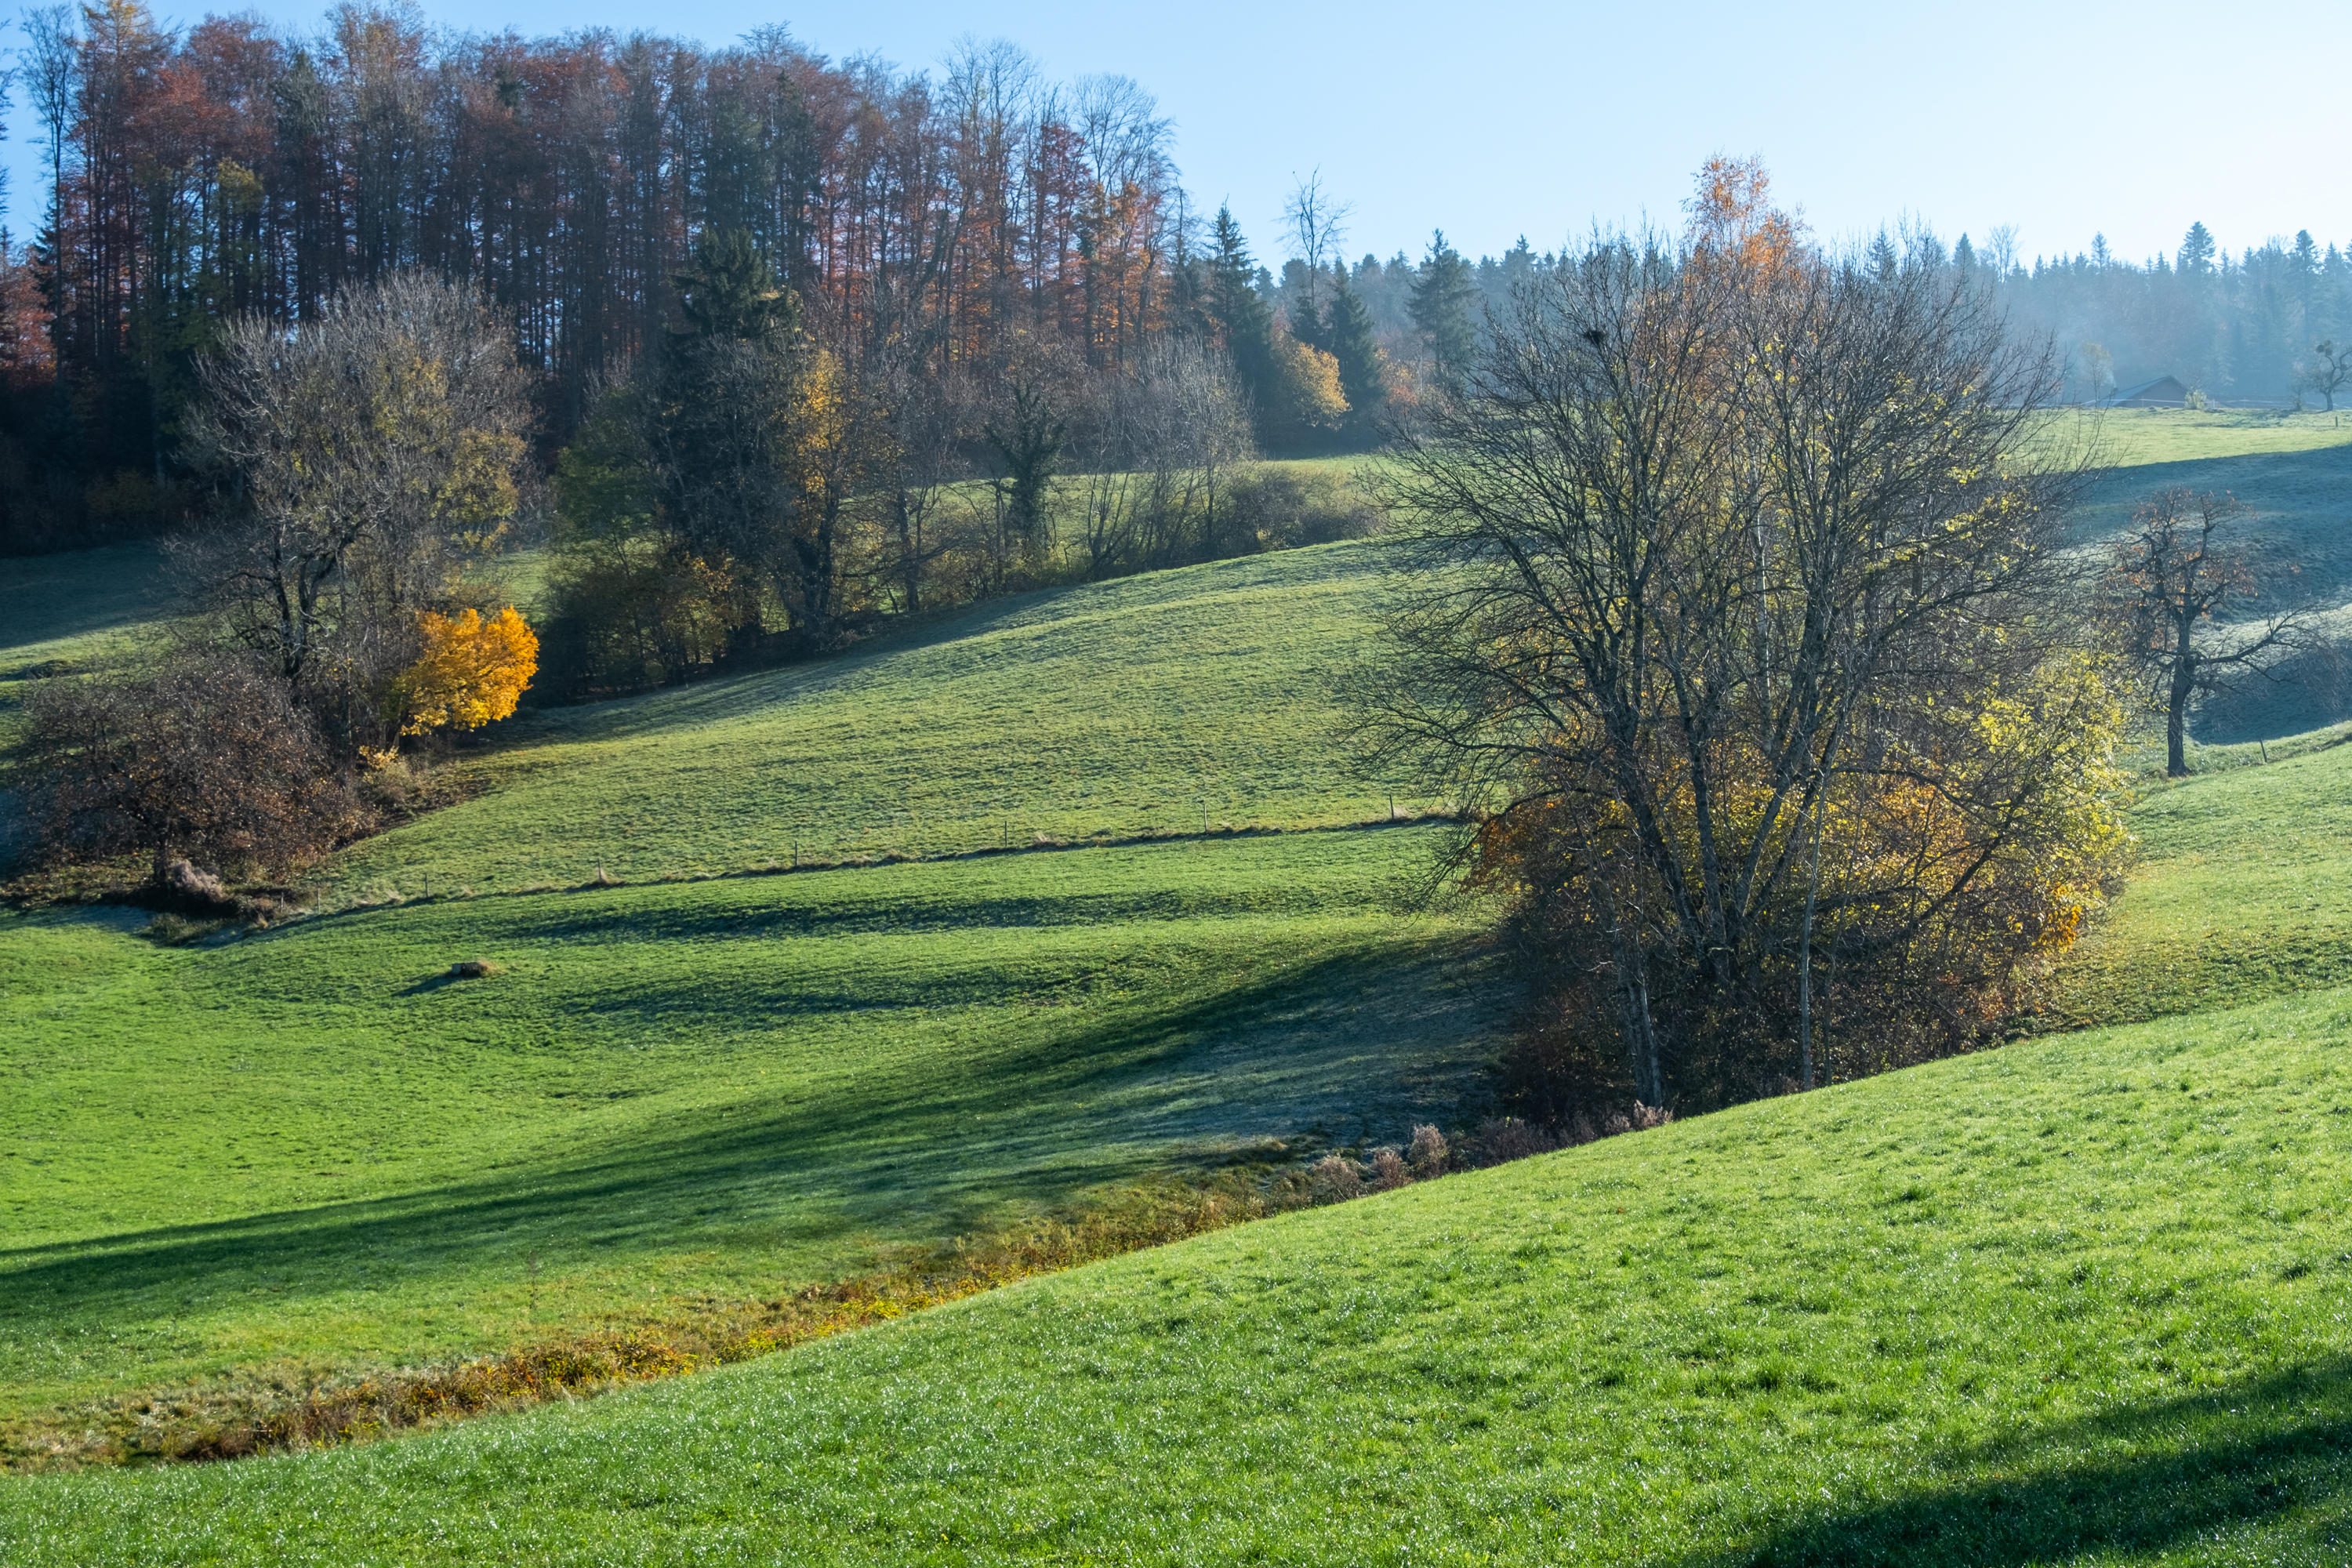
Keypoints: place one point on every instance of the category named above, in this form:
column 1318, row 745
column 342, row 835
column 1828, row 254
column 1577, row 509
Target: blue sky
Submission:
column 2061, row 119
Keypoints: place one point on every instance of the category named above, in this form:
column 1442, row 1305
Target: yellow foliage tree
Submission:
column 1307, row 383
column 473, row 670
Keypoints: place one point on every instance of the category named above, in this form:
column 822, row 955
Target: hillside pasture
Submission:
column 309, row 1153
column 2295, row 473
column 2080, row 1300
column 309, row 1147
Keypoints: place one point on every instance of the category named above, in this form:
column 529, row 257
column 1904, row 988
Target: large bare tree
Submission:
column 1731, row 613
column 374, row 449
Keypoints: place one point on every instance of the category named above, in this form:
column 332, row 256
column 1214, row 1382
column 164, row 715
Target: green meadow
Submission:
column 1126, row 912
column 2081, row 1300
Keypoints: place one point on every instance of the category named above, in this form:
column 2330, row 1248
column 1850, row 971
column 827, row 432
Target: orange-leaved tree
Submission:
column 473, row 670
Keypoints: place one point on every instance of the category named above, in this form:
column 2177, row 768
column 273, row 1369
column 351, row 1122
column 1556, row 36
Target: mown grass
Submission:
column 2237, row 893
column 2079, row 1299
column 305, row 1154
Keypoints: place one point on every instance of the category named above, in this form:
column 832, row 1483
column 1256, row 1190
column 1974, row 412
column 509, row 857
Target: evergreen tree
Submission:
column 2196, row 249
column 1350, row 337
column 1440, row 308
column 732, row 292
column 1241, row 318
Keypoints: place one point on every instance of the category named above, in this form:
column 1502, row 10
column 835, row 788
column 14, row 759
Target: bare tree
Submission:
column 2334, row 370
column 1158, row 444
column 2183, row 563
column 373, row 449
column 1318, row 225
column 1727, row 554
column 1027, row 425
column 212, row 760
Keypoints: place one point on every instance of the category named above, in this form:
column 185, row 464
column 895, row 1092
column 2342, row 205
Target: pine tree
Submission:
column 732, row 292
column 2196, row 249
column 1440, row 308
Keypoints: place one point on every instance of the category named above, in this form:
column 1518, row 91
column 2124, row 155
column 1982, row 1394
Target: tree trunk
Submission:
column 2176, row 709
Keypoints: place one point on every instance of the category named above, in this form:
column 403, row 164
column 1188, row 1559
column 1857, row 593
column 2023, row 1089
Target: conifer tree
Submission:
column 1440, row 307
column 1350, row 337
column 1241, row 318
column 2196, row 249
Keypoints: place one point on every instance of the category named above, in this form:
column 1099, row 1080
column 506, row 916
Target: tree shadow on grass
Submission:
column 2269, row 1459
column 941, row 1150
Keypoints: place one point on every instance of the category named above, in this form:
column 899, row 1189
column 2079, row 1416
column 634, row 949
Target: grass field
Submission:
column 1146, row 704
column 1895, row 1320
column 305, row 1148
column 2082, row 1300
column 718, row 1088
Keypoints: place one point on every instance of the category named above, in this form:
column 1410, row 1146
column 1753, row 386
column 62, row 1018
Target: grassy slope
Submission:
column 2296, row 474
column 2239, row 894
column 302, row 1148
column 85, row 610
column 2080, row 1300
column 1135, row 706
column 603, row 1108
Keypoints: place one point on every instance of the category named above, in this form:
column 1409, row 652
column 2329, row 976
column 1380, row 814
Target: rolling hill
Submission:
column 2077, row 1299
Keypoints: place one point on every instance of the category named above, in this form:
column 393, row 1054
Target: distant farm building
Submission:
column 2164, row 392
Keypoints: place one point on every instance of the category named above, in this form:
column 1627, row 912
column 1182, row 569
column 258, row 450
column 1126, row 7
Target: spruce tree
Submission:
column 1241, row 318
column 2196, row 249
column 1440, row 307
column 1350, row 337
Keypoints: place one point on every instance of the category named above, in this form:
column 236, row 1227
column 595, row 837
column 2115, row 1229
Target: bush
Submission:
column 1334, row 1179
column 206, row 759
column 630, row 615
column 1283, row 508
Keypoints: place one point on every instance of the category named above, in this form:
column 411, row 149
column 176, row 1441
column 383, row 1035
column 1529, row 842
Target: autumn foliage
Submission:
column 472, row 672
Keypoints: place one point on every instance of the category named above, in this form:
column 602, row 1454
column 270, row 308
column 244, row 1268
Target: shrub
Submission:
column 199, row 888
column 1503, row 1139
column 1334, row 1179
column 169, row 929
column 1283, row 508
column 632, row 614
column 1427, row 1154
column 471, row 673
column 207, row 759
column 1389, row 1170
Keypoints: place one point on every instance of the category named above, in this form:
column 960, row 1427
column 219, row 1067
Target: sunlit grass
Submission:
column 309, row 1146
column 2080, row 1300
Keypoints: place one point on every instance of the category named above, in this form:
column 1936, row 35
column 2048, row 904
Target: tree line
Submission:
column 934, row 228
column 2271, row 325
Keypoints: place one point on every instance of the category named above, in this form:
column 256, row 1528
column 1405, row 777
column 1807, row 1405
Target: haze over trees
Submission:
column 2261, row 326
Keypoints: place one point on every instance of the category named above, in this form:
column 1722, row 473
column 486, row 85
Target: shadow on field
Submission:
column 2148, row 1478
column 2303, row 509
column 1313, row 1055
